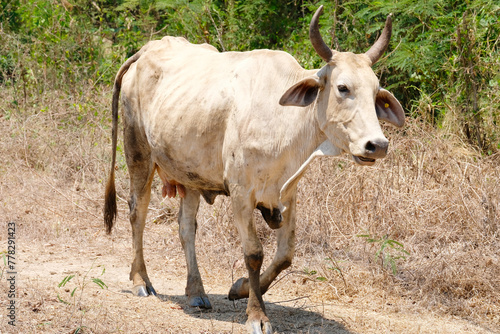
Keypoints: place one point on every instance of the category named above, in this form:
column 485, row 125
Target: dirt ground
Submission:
column 59, row 233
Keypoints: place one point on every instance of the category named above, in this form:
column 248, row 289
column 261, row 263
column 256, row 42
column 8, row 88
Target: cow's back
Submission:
column 194, row 101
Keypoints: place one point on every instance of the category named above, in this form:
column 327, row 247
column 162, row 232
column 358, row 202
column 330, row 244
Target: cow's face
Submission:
column 348, row 103
column 347, row 98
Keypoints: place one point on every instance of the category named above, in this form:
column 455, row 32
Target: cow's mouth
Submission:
column 363, row 160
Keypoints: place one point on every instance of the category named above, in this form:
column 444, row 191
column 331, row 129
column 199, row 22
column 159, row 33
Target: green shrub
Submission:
column 442, row 64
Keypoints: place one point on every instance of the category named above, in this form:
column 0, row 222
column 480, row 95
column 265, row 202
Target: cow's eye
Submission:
column 343, row 88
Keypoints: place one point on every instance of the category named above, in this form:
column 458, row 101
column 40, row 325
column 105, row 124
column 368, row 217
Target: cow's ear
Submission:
column 302, row 93
column 389, row 109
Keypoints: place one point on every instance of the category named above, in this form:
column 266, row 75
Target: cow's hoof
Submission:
column 140, row 291
column 259, row 327
column 143, row 291
column 201, row 302
column 239, row 289
column 151, row 290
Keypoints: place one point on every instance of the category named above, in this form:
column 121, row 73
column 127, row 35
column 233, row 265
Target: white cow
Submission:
column 242, row 124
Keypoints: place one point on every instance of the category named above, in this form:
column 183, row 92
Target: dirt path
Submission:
column 293, row 307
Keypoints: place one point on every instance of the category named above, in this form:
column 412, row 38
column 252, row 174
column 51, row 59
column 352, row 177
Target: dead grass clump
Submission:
column 439, row 201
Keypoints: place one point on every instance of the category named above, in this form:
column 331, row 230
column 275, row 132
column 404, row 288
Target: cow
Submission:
column 244, row 125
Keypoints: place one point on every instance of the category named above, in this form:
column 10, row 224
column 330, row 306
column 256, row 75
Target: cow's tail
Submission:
column 110, row 195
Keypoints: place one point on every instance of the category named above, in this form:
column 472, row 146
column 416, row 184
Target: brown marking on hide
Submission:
column 210, row 195
column 272, row 216
column 137, row 155
column 254, row 261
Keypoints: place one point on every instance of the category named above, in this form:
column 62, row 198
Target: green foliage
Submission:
column 474, row 70
column 444, row 55
column 388, row 252
column 8, row 13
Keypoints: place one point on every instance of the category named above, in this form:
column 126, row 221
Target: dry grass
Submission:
column 438, row 199
column 433, row 194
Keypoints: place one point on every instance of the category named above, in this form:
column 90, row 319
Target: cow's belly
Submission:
column 189, row 170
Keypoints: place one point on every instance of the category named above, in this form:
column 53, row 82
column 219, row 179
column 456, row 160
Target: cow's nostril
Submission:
column 370, row 147
column 376, row 148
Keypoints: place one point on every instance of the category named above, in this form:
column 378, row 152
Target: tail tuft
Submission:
column 110, row 203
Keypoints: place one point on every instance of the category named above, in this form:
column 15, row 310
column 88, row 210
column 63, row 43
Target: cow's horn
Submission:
column 317, row 42
column 378, row 49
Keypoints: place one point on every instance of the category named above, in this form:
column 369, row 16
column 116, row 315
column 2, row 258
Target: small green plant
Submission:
column 3, row 253
column 76, row 293
column 81, row 285
column 335, row 268
column 331, row 267
column 388, row 252
column 313, row 275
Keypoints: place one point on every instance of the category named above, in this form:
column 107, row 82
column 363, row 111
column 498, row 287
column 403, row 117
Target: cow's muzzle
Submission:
column 376, row 149
column 373, row 149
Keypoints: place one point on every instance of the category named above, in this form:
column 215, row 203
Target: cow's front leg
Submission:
column 282, row 259
column 187, row 232
column 258, row 321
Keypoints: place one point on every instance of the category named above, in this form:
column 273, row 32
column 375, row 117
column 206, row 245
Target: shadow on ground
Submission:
column 296, row 317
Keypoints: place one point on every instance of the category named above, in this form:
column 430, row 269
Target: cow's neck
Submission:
column 326, row 148
column 309, row 143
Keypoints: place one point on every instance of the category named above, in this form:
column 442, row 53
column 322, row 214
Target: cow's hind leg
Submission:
column 187, row 232
column 282, row 259
column 141, row 171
